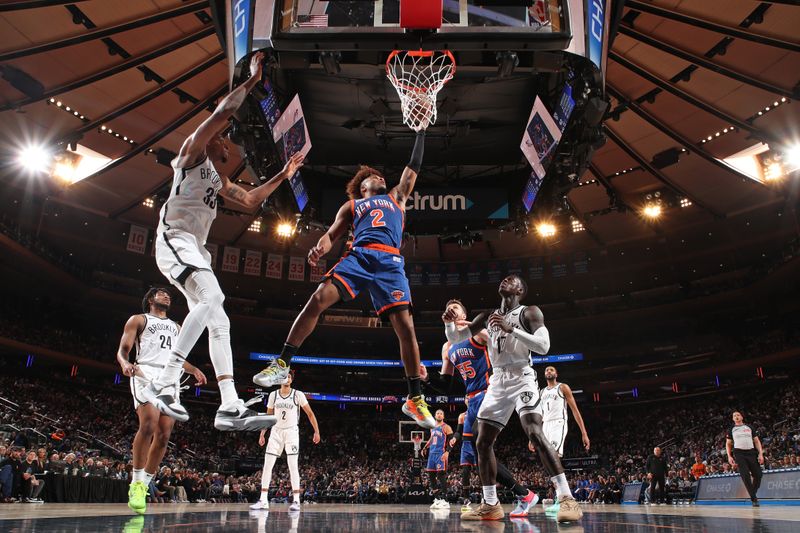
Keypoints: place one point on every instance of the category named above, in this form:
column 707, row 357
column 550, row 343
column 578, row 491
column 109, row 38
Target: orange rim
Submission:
column 418, row 53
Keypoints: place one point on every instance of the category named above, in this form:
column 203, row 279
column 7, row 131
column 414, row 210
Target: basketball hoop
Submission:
column 416, row 438
column 418, row 76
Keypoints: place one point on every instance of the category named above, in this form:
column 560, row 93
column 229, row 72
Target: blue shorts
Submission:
column 381, row 273
column 436, row 463
column 472, row 412
column 468, row 457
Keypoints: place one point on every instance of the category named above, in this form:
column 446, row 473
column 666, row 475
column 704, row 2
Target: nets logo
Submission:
column 398, row 295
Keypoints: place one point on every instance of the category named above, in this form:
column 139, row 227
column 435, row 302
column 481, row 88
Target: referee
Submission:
column 742, row 444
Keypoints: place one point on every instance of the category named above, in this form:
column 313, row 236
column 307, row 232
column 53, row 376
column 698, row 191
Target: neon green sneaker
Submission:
column 417, row 409
column 137, row 497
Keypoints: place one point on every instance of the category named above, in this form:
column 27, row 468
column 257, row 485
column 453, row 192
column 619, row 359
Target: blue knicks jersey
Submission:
column 437, row 445
column 377, row 220
column 472, row 361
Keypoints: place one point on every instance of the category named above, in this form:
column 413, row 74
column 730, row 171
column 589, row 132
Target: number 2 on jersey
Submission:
column 377, row 218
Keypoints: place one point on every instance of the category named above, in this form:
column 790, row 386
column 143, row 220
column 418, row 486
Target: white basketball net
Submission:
column 418, row 76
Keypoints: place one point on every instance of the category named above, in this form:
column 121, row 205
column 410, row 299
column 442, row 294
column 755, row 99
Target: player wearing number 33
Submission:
column 374, row 264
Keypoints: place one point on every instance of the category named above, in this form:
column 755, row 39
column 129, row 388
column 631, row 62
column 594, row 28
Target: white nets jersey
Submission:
column 505, row 351
column 287, row 409
column 156, row 340
column 554, row 404
column 192, row 203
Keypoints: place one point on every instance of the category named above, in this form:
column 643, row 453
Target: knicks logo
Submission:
column 398, row 295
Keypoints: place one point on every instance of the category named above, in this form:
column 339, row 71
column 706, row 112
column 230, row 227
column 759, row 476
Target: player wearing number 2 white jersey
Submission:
column 285, row 403
column 184, row 223
column 152, row 334
column 515, row 333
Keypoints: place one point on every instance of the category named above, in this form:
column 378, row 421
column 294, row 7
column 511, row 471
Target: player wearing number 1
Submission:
column 183, row 227
column 373, row 263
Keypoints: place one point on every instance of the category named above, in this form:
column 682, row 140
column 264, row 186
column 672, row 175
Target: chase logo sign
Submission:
column 241, row 22
column 596, row 26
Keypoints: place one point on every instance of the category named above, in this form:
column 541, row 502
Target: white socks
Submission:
column 138, row 475
column 490, row 494
column 227, row 391
column 148, row 477
column 562, row 487
column 296, row 498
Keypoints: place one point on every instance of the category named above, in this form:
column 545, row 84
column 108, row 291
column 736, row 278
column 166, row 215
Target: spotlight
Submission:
column 149, row 202
column 465, row 241
column 546, row 229
column 255, row 226
column 577, row 225
column 652, row 211
column 685, row 202
column 284, row 230
column 793, row 157
column 34, row 158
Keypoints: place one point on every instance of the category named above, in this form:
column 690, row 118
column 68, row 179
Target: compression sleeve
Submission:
column 454, row 334
column 538, row 341
column 415, row 163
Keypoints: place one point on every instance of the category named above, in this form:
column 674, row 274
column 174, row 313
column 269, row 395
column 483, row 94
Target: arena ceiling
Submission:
column 687, row 80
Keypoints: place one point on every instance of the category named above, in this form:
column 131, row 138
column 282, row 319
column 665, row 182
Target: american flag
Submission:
column 312, row 21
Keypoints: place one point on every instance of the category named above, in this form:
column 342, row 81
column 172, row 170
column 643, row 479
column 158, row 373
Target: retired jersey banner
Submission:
column 274, row 266
column 474, row 272
column 558, row 266
column 514, row 266
column 297, row 268
column 415, row 273
column 317, row 273
column 536, row 268
column 230, row 259
column 137, row 239
column 434, row 274
column 452, row 274
column 213, row 250
column 581, row 263
column 252, row 263
column 493, row 272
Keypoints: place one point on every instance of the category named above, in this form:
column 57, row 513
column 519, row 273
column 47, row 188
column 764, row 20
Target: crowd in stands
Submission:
column 77, row 428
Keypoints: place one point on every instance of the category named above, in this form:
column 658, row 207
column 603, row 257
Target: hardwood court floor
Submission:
column 86, row 518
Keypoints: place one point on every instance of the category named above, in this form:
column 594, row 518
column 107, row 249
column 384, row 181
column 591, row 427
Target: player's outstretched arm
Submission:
column 402, row 191
column 454, row 333
column 133, row 327
column 343, row 219
column 576, row 413
column 195, row 145
column 254, row 197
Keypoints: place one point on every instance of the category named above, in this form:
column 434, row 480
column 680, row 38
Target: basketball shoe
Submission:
column 237, row 417
column 260, row 505
column 524, row 505
column 165, row 403
column 417, row 409
column 137, row 497
column 273, row 375
column 485, row 512
column 568, row 510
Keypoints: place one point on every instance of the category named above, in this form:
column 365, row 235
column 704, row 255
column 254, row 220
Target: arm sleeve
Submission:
column 454, row 334
column 302, row 401
column 415, row 163
column 271, row 400
column 538, row 341
column 459, row 432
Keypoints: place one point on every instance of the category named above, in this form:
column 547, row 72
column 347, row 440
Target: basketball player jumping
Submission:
column 555, row 399
column 515, row 332
column 374, row 263
column 285, row 403
column 185, row 221
column 153, row 334
column 471, row 358
column 438, row 449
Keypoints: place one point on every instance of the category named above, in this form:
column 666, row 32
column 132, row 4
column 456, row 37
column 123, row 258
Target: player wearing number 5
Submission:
column 183, row 227
column 373, row 263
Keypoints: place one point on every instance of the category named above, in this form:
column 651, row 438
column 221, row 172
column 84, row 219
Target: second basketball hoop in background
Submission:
column 418, row 76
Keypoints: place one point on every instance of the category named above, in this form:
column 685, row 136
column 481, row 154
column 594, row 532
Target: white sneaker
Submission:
column 295, row 506
column 237, row 417
column 435, row 504
column 273, row 375
column 260, row 505
column 165, row 403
